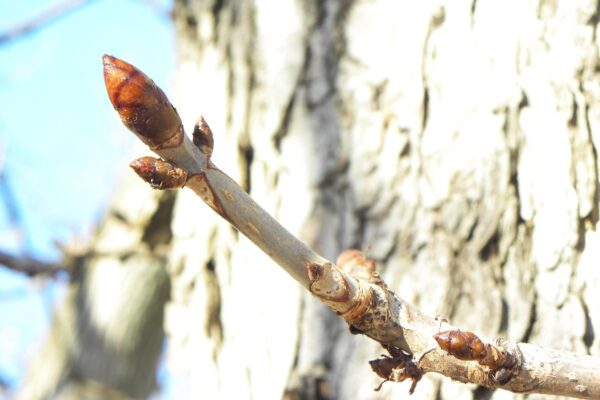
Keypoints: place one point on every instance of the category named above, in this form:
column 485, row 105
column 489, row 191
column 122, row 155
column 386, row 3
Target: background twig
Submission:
column 31, row 266
column 43, row 19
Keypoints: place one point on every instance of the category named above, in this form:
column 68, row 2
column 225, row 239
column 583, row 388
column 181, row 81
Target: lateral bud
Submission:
column 397, row 368
column 159, row 174
column 467, row 346
column 203, row 137
column 142, row 106
column 463, row 345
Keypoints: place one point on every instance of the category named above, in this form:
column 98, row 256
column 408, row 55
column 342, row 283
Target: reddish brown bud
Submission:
column 159, row 173
column 467, row 346
column 397, row 369
column 385, row 365
column 142, row 106
column 203, row 137
column 462, row 345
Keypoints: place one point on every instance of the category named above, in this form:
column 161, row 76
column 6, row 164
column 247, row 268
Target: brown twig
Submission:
column 353, row 289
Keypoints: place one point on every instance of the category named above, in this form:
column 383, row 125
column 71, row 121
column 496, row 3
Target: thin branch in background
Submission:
column 15, row 219
column 30, row 266
column 43, row 19
column 4, row 387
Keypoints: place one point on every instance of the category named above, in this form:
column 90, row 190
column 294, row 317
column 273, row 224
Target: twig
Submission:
column 13, row 213
column 417, row 343
column 31, row 266
column 45, row 18
column 4, row 386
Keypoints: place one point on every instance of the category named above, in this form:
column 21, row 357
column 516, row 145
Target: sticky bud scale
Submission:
column 142, row 106
column 158, row 173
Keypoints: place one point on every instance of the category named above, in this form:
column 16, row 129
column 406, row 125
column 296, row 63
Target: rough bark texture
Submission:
column 454, row 140
column 107, row 336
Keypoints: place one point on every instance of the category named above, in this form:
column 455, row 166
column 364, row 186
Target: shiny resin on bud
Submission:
column 461, row 344
column 159, row 173
column 203, row 137
column 142, row 106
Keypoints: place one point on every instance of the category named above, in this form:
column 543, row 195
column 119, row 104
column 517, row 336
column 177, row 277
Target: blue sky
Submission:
column 62, row 144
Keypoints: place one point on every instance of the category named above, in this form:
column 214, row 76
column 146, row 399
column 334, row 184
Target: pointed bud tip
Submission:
column 115, row 70
column 142, row 163
column 107, row 59
column 442, row 337
column 142, row 106
column 158, row 173
column 203, row 137
column 111, row 61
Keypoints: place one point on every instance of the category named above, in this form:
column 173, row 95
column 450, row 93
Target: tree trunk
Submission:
column 107, row 336
column 455, row 141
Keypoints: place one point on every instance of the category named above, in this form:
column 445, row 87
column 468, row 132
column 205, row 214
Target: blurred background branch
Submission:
column 31, row 266
column 43, row 19
column 58, row 172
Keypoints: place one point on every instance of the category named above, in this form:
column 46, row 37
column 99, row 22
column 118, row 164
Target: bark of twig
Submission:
column 417, row 343
column 31, row 266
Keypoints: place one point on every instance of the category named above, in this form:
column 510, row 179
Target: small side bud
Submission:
column 203, row 137
column 467, row 346
column 385, row 365
column 142, row 106
column 462, row 344
column 158, row 173
column 397, row 368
